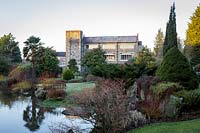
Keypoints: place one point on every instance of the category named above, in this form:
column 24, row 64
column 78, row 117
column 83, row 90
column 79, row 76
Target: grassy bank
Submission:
column 190, row 126
column 71, row 89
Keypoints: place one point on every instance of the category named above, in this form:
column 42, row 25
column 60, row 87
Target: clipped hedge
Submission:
column 176, row 68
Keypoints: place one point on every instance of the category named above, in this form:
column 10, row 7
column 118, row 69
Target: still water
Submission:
column 20, row 114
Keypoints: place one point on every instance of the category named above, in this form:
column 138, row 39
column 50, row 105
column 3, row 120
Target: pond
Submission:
column 21, row 114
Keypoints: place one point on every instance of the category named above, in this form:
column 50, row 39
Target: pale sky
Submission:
column 49, row 19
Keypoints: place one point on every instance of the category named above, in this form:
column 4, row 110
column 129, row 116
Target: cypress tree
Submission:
column 171, row 35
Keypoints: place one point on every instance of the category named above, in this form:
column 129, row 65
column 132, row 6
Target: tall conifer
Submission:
column 171, row 35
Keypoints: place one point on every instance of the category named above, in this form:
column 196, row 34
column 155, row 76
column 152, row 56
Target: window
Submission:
column 125, row 57
column 110, row 57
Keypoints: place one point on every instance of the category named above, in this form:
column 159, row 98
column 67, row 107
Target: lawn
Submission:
column 72, row 88
column 190, row 126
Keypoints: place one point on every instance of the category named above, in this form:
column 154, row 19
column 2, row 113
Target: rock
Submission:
column 41, row 93
column 136, row 119
column 90, row 78
column 70, row 131
column 132, row 96
column 173, row 106
column 74, row 111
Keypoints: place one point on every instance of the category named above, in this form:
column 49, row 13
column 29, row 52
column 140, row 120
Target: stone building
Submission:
column 118, row 49
column 62, row 59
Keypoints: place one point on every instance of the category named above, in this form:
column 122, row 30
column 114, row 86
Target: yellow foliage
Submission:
column 22, row 85
column 193, row 32
column 1, row 77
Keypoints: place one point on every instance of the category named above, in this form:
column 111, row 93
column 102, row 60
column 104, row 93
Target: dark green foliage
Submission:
column 112, row 71
column 176, row 68
column 191, row 99
column 4, row 66
column 48, row 62
column 193, row 54
column 134, row 71
column 171, row 35
column 68, row 74
column 93, row 58
column 73, row 65
column 161, row 90
column 9, row 48
column 32, row 53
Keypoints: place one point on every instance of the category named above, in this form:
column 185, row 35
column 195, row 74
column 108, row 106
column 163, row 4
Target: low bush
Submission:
column 47, row 83
column 150, row 108
column 56, row 94
column 24, row 85
column 191, row 99
column 106, row 105
column 4, row 67
column 68, row 74
column 1, row 77
column 164, row 89
column 21, row 72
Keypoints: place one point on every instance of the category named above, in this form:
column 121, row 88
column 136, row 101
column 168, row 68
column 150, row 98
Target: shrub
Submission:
column 24, row 85
column 48, row 83
column 164, row 89
column 68, row 74
column 2, row 78
column 176, row 68
column 4, row 67
column 21, row 72
column 106, row 105
column 191, row 99
column 56, row 94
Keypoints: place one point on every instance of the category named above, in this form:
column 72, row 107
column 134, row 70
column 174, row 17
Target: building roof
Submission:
column 107, row 39
column 61, row 54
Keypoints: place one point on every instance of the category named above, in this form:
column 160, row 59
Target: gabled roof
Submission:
column 60, row 54
column 107, row 39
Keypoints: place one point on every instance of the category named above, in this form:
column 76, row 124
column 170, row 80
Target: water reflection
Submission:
column 24, row 115
column 33, row 117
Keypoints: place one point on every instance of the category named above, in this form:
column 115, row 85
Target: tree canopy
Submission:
column 93, row 58
column 193, row 31
column 9, row 49
column 72, row 65
column 158, row 44
column 47, row 62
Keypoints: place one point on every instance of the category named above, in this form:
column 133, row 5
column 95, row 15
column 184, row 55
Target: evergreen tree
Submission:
column 47, row 63
column 158, row 44
column 93, row 58
column 9, row 48
column 176, row 68
column 32, row 53
column 171, row 35
column 193, row 32
column 73, row 65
